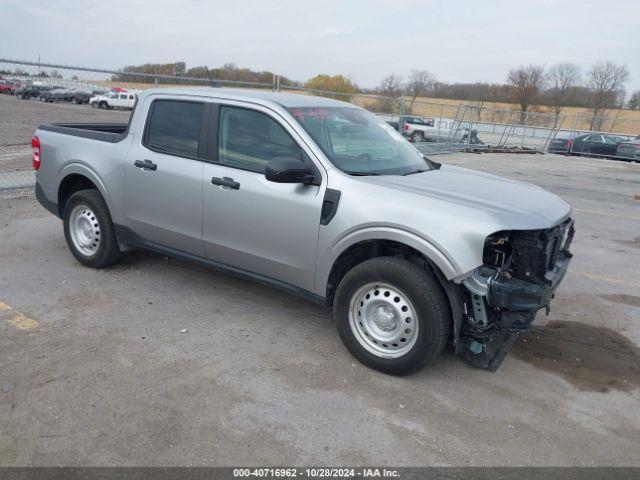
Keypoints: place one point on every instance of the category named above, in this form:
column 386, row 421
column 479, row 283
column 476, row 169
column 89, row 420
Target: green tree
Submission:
column 336, row 83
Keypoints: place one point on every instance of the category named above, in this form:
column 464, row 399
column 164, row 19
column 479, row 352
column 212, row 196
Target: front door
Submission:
column 163, row 177
column 250, row 223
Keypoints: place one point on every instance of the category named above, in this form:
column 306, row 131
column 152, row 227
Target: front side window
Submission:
column 174, row 127
column 249, row 139
column 358, row 142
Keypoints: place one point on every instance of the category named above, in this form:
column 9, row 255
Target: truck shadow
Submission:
column 590, row 358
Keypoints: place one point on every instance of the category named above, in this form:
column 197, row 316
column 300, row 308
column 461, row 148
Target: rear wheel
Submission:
column 89, row 231
column 392, row 315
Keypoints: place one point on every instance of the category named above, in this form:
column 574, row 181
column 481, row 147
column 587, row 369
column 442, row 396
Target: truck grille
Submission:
column 531, row 253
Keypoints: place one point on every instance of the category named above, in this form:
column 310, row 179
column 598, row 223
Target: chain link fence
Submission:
column 435, row 127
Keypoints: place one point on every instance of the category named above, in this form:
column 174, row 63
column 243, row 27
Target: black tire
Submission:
column 107, row 252
column 417, row 137
column 426, row 294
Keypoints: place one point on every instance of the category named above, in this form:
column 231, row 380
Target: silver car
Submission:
column 320, row 198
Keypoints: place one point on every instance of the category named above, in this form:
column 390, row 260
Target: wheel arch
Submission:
column 363, row 250
column 76, row 177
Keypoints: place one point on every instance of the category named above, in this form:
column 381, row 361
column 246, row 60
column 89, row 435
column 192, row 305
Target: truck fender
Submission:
column 439, row 258
column 79, row 168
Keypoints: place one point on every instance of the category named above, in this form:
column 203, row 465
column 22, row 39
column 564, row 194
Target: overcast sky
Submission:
column 458, row 41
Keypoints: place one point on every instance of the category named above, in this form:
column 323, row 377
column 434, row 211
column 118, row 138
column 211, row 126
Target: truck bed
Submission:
column 104, row 132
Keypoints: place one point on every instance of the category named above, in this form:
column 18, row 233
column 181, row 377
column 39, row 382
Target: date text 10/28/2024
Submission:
column 316, row 472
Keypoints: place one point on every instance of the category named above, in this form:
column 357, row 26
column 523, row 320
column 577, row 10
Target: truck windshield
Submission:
column 358, row 142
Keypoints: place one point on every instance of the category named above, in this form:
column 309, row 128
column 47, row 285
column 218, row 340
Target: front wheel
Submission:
column 417, row 137
column 89, row 231
column 392, row 315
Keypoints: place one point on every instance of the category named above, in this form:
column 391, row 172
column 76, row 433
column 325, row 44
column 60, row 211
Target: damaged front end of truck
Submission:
column 521, row 271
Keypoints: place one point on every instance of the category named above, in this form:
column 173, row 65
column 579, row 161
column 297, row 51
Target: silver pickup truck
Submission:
column 320, row 198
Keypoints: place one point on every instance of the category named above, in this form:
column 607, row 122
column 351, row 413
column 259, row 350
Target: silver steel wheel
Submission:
column 383, row 320
column 84, row 229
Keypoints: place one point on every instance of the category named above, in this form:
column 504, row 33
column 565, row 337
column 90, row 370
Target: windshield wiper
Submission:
column 420, row 170
column 361, row 174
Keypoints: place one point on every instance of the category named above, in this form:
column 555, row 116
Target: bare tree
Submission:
column 391, row 86
column 526, row 82
column 420, row 84
column 606, row 79
column 561, row 77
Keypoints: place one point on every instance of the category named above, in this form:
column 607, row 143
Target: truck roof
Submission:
column 286, row 100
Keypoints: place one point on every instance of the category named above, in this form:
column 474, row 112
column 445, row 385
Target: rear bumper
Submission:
column 45, row 202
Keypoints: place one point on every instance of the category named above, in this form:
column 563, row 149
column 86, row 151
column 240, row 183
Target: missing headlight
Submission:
column 497, row 250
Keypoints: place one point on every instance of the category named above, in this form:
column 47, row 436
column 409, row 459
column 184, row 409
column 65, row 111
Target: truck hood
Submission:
column 514, row 204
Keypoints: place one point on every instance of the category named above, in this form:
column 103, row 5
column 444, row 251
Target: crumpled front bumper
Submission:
column 516, row 303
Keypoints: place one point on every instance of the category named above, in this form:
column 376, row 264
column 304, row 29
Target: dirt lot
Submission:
column 94, row 369
column 20, row 118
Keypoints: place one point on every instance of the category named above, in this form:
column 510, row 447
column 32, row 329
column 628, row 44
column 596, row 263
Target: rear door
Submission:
column 260, row 226
column 163, row 175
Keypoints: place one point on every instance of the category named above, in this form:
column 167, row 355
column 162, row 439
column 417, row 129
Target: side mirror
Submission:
column 288, row 170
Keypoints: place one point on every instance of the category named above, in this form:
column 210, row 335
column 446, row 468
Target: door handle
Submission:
column 226, row 182
column 147, row 164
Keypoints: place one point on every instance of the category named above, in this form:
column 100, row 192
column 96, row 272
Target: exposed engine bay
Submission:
column 520, row 273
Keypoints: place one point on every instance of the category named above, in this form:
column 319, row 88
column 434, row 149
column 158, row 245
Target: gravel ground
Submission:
column 94, row 369
column 20, row 118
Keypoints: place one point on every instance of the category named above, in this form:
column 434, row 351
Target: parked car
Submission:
column 629, row 150
column 593, row 144
column 411, row 255
column 32, row 91
column 84, row 96
column 560, row 145
column 8, row 87
column 420, row 129
column 57, row 95
column 113, row 100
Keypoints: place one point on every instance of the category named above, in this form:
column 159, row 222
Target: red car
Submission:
column 8, row 86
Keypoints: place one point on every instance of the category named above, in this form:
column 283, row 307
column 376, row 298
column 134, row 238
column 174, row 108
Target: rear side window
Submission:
column 174, row 127
column 249, row 140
